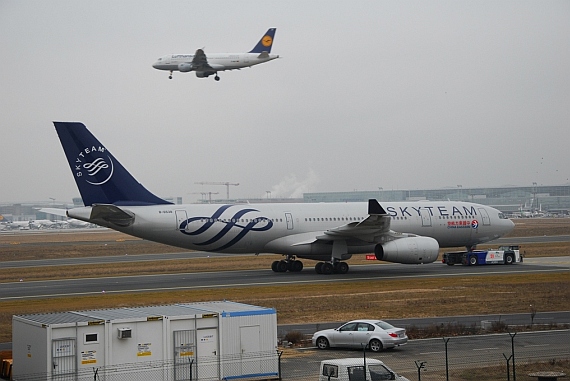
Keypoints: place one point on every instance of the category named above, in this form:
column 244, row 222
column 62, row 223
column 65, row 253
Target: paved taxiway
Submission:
column 202, row 254
column 169, row 282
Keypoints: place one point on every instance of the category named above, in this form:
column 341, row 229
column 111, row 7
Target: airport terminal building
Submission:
column 548, row 199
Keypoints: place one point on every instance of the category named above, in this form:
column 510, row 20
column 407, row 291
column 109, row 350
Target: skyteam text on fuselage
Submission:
column 210, row 64
column 330, row 233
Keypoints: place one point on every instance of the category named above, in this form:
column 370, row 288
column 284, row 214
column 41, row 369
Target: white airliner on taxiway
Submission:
column 210, row 64
column 402, row 232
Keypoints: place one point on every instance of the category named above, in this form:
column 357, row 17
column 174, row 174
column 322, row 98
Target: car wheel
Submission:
column 473, row 260
column 322, row 343
column 375, row 345
column 509, row 260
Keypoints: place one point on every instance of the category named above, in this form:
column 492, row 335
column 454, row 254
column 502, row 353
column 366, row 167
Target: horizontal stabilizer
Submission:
column 112, row 214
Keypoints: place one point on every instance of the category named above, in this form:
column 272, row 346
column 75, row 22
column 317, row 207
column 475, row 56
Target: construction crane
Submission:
column 219, row 183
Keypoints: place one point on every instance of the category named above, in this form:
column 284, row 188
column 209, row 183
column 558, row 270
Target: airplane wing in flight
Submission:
column 200, row 62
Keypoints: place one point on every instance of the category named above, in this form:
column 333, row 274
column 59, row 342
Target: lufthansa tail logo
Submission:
column 266, row 41
column 235, row 225
column 94, row 165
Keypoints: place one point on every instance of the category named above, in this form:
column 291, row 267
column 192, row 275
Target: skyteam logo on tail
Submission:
column 235, row 226
column 94, row 165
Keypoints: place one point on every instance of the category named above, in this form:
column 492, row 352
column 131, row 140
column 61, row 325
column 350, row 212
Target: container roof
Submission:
column 224, row 308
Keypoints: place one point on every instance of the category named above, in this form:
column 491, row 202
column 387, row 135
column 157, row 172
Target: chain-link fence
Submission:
column 503, row 356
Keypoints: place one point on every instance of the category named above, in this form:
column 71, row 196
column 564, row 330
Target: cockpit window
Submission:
column 502, row 216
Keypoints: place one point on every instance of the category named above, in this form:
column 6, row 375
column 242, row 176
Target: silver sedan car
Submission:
column 375, row 335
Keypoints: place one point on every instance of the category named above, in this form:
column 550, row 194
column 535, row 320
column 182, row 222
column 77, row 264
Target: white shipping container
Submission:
column 194, row 341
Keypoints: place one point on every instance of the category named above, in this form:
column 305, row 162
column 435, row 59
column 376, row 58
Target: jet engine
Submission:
column 410, row 250
column 184, row 67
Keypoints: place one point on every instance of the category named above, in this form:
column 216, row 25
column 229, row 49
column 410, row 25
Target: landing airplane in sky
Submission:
column 401, row 232
column 210, row 64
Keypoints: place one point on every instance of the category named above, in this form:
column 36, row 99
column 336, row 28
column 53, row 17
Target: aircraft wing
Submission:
column 200, row 62
column 54, row 211
column 376, row 224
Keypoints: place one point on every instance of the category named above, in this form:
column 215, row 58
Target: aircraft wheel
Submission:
column 296, row 266
column 169, row 77
column 281, row 266
column 274, row 266
column 342, row 268
column 327, row 268
column 319, row 267
column 217, row 78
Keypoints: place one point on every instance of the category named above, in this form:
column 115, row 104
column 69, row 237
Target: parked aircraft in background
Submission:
column 210, row 64
column 15, row 224
column 330, row 233
column 69, row 222
column 42, row 224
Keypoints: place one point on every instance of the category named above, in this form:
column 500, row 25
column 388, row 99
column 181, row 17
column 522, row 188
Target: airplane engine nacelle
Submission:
column 410, row 250
column 184, row 67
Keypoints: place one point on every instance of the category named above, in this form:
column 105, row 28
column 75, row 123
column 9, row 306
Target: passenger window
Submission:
column 348, row 327
column 356, row 373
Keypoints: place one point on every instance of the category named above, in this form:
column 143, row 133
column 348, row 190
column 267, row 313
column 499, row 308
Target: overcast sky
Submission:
column 366, row 94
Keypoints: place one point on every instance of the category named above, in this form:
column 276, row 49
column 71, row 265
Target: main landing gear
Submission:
column 170, row 76
column 331, row 268
column 217, row 78
column 289, row 264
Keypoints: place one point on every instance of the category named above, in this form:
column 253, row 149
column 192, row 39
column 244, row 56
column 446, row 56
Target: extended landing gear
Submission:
column 217, row 78
column 170, row 76
column 330, row 268
column 289, row 264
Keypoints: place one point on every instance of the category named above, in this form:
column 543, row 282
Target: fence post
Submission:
column 508, row 368
column 513, row 354
column 420, row 365
column 279, row 353
column 446, row 360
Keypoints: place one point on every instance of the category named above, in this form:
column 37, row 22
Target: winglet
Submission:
column 264, row 45
column 375, row 208
column 100, row 177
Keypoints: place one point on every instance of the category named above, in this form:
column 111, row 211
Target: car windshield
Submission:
column 384, row 325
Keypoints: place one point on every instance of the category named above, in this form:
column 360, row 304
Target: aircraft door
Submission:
column 181, row 217
column 426, row 217
column 289, row 220
column 485, row 217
